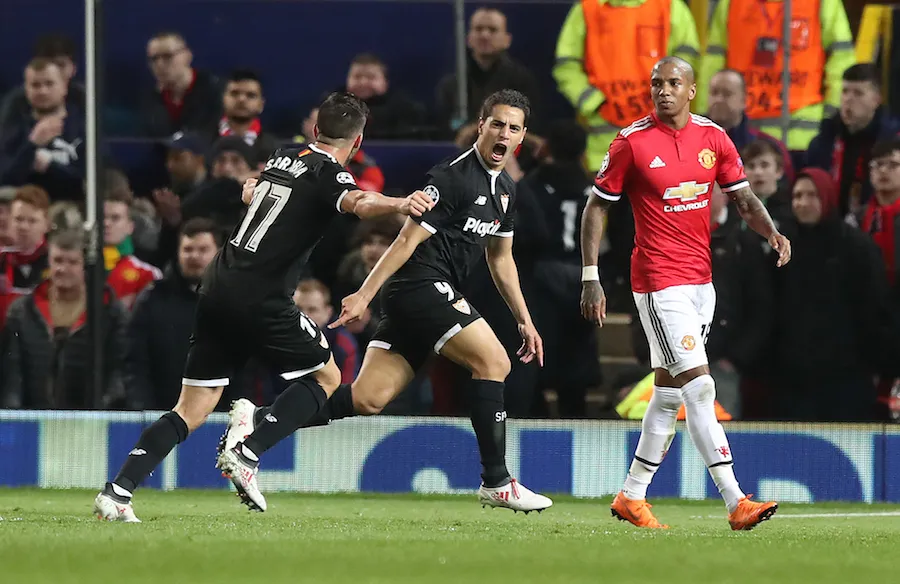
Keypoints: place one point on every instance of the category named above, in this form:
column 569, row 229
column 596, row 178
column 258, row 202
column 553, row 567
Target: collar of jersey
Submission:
column 667, row 129
column 323, row 153
column 493, row 173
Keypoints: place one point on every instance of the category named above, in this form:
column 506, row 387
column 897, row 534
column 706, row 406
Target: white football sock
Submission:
column 708, row 437
column 657, row 432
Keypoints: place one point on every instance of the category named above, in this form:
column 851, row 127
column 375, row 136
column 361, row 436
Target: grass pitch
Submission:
column 198, row 537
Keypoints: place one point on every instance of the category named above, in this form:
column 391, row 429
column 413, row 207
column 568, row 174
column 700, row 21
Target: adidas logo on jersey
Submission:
column 657, row 163
column 480, row 227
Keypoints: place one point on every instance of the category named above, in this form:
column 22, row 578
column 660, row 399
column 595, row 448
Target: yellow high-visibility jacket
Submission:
column 572, row 79
column 837, row 41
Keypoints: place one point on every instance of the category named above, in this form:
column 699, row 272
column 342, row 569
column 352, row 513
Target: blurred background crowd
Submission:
column 198, row 94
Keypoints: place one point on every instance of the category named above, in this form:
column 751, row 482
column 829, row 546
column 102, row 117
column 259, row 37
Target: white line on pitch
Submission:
column 817, row 515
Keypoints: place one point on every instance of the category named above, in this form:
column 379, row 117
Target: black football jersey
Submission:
column 298, row 194
column 561, row 192
column 472, row 203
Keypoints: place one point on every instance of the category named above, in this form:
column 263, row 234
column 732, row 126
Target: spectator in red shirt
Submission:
column 126, row 275
column 24, row 264
column 184, row 98
column 314, row 300
column 242, row 104
column 881, row 218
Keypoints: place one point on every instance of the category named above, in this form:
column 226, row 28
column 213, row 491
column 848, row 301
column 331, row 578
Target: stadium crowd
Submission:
column 818, row 340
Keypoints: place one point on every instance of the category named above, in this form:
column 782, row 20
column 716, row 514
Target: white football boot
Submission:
column 240, row 425
column 108, row 508
column 242, row 472
column 513, row 495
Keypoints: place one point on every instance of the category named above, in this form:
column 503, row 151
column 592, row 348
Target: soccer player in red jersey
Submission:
column 667, row 164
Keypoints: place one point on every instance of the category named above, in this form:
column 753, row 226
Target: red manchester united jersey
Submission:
column 668, row 176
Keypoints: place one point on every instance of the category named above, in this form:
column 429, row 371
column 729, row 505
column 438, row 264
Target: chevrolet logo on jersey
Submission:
column 687, row 193
column 480, row 227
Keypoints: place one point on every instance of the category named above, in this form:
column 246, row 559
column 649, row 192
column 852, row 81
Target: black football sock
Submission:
column 338, row 406
column 259, row 414
column 489, row 422
column 152, row 447
column 296, row 405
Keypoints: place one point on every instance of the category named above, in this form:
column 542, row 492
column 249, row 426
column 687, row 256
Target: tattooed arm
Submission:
column 593, row 299
column 757, row 217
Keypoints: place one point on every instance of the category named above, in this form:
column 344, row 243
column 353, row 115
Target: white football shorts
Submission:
column 676, row 321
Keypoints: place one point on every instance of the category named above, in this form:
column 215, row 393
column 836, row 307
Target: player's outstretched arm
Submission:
column 369, row 204
column 354, row 305
column 506, row 277
column 757, row 217
column 593, row 299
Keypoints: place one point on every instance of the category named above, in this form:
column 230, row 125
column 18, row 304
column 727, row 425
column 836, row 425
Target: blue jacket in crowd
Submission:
column 64, row 178
column 846, row 156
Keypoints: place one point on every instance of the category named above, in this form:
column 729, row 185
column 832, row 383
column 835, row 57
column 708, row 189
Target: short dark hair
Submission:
column 239, row 75
column 53, row 46
column 370, row 59
column 885, row 147
column 39, row 64
column 198, row 226
column 566, row 140
column 863, row 72
column 68, row 240
column 760, row 147
column 342, row 116
column 509, row 97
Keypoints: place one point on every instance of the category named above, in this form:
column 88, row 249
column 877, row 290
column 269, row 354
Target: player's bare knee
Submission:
column 492, row 364
column 329, row 378
column 368, row 405
column 368, row 401
column 193, row 416
column 196, row 404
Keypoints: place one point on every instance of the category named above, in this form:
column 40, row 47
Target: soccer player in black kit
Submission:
column 419, row 278
column 245, row 307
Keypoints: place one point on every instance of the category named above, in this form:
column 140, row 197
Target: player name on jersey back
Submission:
column 668, row 176
column 298, row 194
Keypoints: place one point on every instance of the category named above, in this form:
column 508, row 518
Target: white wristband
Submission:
column 590, row 274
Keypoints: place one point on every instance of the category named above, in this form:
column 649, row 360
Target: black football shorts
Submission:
column 419, row 318
column 226, row 334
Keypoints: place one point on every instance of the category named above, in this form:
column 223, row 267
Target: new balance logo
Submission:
column 271, row 419
column 657, row 163
column 481, row 200
column 137, row 452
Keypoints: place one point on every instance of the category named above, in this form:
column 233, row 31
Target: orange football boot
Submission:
column 635, row 512
column 750, row 514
